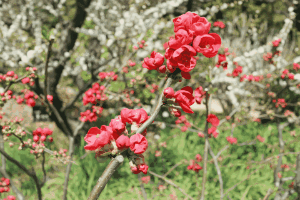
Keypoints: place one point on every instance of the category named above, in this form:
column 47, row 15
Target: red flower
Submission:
column 169, row 92
column 231, row 140
column 98, row 138
column 117, row 125
column 185, row 75
column 207, row 44
column 143, row 168
column 155, row 61
column 182, row 37
column 192, row 22
column 198, row 158
column 25, row 80
column 219, row 24
column 30, row 102
column 123, row 142
column 145, row 179
column 213, row 119
column 138, row 143
column 183, row 57
column 199, row 94
column 185, row 99
column 138, row 115
column 261, row 139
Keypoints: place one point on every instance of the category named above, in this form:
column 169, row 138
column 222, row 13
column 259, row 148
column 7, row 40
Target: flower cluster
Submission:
column 94, row 94
column 231, row 140
column 296, row 66
column 219, row 24
column 194, row 164
column 182, row 120
column 4, row 187
column 214, row 121
column 114, row 138
column 200, row 94
column 222, row 60
column 191, row 37
column 286, row 73
column 260, row 138
column 276, row 42
column 279, row 102
column 106, row 75
column 91, row 116
column 140, row 45
column 184, row 98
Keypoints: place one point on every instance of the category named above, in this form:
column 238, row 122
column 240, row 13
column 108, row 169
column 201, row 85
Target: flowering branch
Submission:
column 29, row 173
column 19, row 194
column 158, row 107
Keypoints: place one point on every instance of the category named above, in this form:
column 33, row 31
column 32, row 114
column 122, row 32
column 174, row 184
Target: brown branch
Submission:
column 158, row 107
column 46, row 66
column 29, row 173
column 71, row 151
column 18, row 193
column 102, row 181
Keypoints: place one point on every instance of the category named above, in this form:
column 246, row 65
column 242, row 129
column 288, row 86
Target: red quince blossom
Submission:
column 276, row 42
column 192, row 22
column 291, row 76
column 219, row 24
column 117, row 125
column 200, row 134
column 296, row 66
column 185, row 99
column 182, row 57
column 199, row 94
column 194, row 166
column 123, row 142
column 138, row 143
column 182, row 37
column 162, row 69
column 212, row 129
column 30, row 102
column 98, row 138
column 185, row 75
column 198, row 158
column 213, row 119
column 231, row 140
column 222, row 61
column 155, row 61
column 145, row 179
column 261, row 139
column 25, row 80
column 143, row 168
column 207, row 44
column 169, row 92
column 138, row 116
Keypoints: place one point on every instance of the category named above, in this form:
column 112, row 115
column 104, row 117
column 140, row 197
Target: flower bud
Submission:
column 169, row 92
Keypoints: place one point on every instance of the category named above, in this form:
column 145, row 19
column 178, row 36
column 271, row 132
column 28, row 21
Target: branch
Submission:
column 31, row 174
column 19, row 194
column 46, row 67
column 71, row 151
column 158, row 107
column 102, row 181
